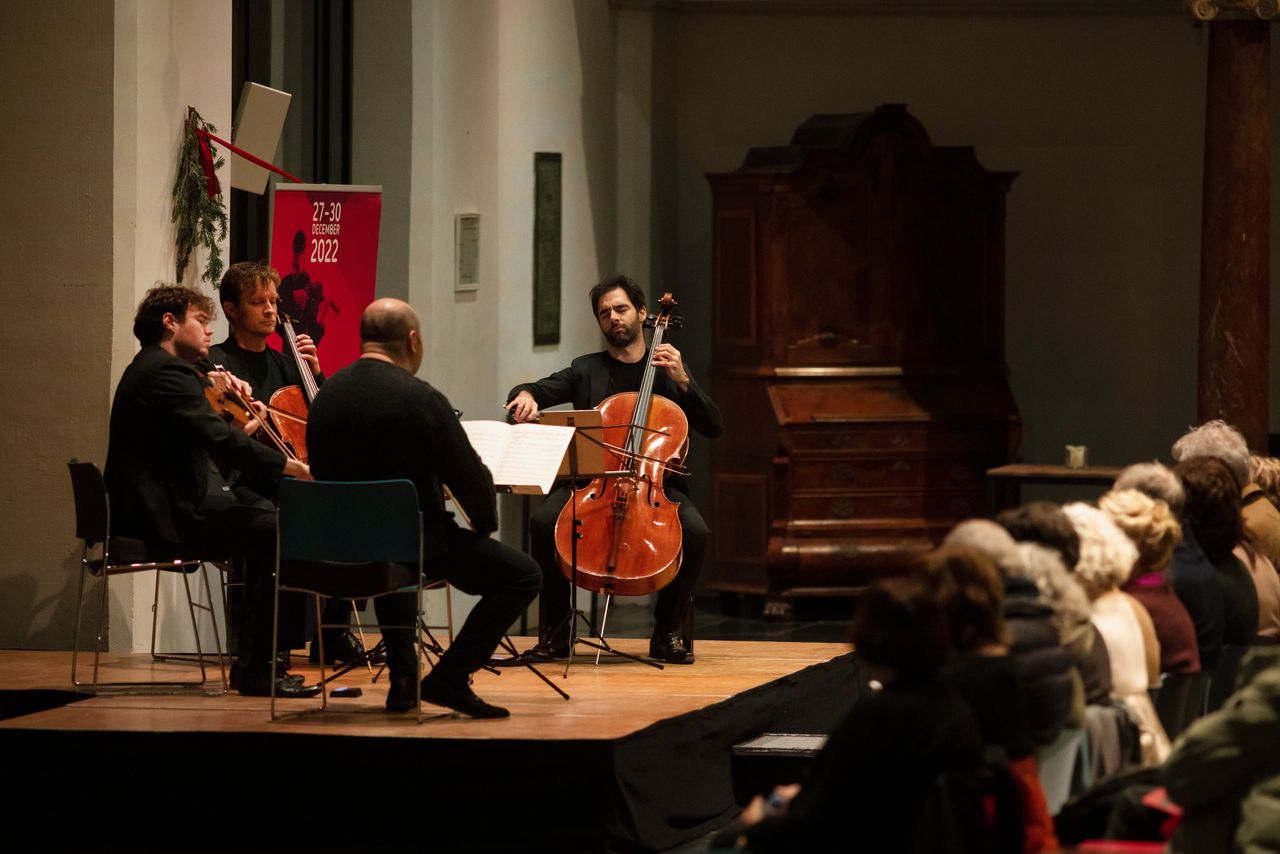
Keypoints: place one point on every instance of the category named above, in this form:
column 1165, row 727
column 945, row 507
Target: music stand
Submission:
column 585, row 460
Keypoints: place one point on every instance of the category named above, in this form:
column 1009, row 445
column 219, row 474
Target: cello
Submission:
column 289, row 405
column 629, row 538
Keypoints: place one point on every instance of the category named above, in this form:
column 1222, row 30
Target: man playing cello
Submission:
column 250, row 298
column 619, row 307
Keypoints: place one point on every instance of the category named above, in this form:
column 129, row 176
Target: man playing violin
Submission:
column 619, row 307
column 375, row 420
column 250, row 298
column 162, row 486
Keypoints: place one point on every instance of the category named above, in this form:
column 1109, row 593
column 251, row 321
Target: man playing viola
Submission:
column 162, row 485
column 619, row 307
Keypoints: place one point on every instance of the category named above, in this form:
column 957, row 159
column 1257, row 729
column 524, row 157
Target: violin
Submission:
column 629, row 537
column 234, row 409
column 289, row 406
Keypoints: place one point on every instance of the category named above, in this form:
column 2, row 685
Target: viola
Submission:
column 289, row 406
column 630, row 542
column 234, row 409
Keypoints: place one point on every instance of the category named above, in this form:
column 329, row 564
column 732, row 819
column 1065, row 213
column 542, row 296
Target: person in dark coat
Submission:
column 161, row 481
column 872, row 783
column 1034, row 642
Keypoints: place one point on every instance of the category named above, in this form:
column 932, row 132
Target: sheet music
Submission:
column 520, row 455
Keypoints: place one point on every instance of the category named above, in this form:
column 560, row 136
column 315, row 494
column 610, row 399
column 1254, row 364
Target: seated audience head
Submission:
column 972, row 592
column 989, row 539
column 1057, row 586
column 900, row 628
column 177, row 318
column 1217, row 439
column 1265, row 472
column 1149, row 523
column 390, row 328
column 1107, row 556
column 1043, row 522
column 1155, row 481
column 1213, row 505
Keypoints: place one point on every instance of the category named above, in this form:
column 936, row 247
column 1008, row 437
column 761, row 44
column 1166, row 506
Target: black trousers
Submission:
column 247, row 530
column 673, row 600
column 506, row 580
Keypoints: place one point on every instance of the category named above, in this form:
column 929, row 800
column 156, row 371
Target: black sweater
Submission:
column 373, row 421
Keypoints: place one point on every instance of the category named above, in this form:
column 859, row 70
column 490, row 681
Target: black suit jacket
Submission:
column 163, row 435
column 586, row 382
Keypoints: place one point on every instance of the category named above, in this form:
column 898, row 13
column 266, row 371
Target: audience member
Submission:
column 1213, row 514
column 1047, row 547
column 1265, row 472
column 1043, row 522
column 874, row 779
column 1106, row 559
column 1222, row 441
column 1154, row 531
column 1091, row 669
column 1156, row 481
column 1225, row 770
column 1034, row 641
column 972, row 591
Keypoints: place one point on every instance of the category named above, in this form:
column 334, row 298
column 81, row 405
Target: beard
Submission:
column 622, row 336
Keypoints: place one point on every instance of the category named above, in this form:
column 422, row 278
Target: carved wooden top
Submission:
column 1225, row 10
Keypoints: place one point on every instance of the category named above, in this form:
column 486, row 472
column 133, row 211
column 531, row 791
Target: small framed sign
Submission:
column 466, row 232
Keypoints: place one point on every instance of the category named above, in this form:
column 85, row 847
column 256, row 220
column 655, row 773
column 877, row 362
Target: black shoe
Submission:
column 402, row 694
column 457, row 695
column 543, row 652
column 282, row 666
column 257, row 683
column 668, row 647
column 344, row 647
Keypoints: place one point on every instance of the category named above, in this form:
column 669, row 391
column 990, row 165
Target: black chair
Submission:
column 1181, row 700
column 122, row 555
column 349, row 540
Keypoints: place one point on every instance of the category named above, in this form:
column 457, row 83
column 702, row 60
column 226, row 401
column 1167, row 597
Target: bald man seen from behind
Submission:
column 375, row 420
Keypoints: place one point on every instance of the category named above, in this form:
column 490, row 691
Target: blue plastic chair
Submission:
column 348, row 540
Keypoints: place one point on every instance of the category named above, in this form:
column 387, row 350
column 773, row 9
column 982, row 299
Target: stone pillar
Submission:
column 1235, row 251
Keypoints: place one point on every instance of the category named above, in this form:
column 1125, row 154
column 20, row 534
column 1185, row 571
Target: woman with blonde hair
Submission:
column 1107, row 558
column 1155, row 532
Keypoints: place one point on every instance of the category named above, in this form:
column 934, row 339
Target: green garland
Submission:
column 201, row 218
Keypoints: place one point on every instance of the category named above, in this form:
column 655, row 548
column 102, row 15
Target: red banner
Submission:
column 324, row 242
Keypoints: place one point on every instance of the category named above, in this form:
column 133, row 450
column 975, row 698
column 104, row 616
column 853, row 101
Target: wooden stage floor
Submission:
column 616, row 699
column 637, row 760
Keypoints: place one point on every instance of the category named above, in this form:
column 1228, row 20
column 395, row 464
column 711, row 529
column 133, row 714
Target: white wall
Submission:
column 56, row 298
column 95, row 94
column 169, row 55
column 448, row 121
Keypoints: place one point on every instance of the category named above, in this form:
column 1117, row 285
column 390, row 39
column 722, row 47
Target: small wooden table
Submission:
column 1006, row 481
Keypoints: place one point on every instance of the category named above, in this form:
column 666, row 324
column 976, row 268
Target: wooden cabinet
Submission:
column 858, row 341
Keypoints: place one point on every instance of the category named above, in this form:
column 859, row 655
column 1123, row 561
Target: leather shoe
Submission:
column 343, row 647
column 257, row 683
column 402, row 694
column 668, row 647
column 543, row 652
column 457, row 695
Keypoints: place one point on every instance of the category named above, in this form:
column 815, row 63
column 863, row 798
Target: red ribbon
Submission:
column 206, row 161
